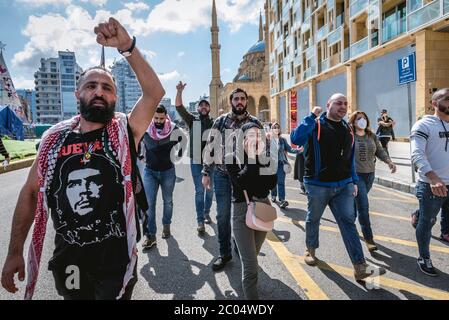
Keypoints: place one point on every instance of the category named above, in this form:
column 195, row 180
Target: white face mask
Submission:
column 362, row 123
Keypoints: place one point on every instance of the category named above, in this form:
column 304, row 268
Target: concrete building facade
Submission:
column 128, row 87
column 319, row 47
column 55, row 83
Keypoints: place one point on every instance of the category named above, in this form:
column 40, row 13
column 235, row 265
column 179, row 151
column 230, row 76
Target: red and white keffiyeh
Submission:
column 52, row 142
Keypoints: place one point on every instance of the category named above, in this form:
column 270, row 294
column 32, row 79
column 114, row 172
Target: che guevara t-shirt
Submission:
column 86, row 205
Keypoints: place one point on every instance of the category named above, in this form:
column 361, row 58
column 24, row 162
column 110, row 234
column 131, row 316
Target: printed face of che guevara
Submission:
column 83, row 190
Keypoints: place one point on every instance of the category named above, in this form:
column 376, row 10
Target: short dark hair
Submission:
column 161, row 109
column 84, row 73
column 384, row 111
column 439, row 94
column 204, row 101
column 237, row 91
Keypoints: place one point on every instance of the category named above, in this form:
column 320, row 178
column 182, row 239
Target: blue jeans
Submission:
column 203, row 197
column 223, row 190
column 429, row 206
column 341, row 203
column 364, row 184
column 281, row 183
column 151, row 181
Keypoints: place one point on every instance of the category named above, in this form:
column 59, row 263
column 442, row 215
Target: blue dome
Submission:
column 244, row 78
column 258, row 47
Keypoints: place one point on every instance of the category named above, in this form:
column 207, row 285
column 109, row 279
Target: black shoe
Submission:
column 207, row 219
column 284, row 204
column 201, row 229
column 425, row 265
column 220, row 263
column 149, row 242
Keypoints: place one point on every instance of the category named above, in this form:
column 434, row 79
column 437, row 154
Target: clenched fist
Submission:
column 113, row 34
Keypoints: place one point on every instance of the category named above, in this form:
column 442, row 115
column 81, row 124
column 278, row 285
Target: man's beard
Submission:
column 238, row 112
column 203, row 113
column 97, row 114
column 159, row 126
column 443, row 109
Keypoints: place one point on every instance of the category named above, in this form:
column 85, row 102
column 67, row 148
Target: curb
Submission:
column 17, row 165
column 396, row 185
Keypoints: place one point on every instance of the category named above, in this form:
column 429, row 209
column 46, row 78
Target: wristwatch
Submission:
column 127, row 53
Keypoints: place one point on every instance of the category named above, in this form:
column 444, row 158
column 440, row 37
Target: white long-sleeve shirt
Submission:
column 430, row 147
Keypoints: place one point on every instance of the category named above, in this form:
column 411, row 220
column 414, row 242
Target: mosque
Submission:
column 252, row 76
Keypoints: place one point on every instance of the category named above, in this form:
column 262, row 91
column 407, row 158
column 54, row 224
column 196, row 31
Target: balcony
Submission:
column 335, row 36
column 305, row 25
column 373, row 11
column 346, row 54
column 359, row 47
column 324, row 65
column 446, row 7
column 271, row 69
column 340, row 20
column 423, row 15
column 357, row 6
column 319, row 4
column 297, row 61
column 309, row 73
column 307, row 13
column 310, row 52
column 273, row 91
column 330, row 5
column 322, row 32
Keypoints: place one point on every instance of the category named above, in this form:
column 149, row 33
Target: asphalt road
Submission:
column 180, row 267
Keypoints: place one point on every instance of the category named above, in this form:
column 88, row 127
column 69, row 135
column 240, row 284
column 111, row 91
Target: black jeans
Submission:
column 384, row 142
column 93, row 286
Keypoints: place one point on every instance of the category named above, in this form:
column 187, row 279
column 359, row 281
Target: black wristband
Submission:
column 130, row 50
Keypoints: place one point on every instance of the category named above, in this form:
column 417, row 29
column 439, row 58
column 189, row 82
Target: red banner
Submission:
column 293, row 110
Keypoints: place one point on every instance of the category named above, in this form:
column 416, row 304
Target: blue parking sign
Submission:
column 407, row 69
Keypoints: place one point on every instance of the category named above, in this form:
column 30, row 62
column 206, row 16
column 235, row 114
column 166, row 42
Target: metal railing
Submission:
column 309, row 73
column 423, row 15
column 346, row 54
column 357, row 6
column 359, row 47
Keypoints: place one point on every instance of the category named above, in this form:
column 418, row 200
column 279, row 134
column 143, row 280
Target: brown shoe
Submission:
column 310, row 258
column 364, row 270
column 371, row 245
column 166, row 231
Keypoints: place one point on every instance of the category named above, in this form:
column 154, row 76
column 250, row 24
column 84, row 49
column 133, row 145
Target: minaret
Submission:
column 260, row 27
column 216, row 85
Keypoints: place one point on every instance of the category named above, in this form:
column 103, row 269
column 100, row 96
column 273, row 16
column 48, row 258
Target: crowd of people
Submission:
column 86, row 179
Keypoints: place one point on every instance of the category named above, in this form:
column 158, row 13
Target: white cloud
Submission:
column 22, row 83
column 169, row 76
column 98, row 3
column 134, row 6
column 149, row 54
column 38, row 3
column 181, row 54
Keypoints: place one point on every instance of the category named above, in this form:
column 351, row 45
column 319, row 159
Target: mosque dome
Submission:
column 258, row 47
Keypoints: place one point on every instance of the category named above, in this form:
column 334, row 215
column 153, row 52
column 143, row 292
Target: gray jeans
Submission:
column 248, row 242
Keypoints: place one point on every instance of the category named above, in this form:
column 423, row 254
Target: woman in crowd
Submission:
column 367, row 149
column 284, row 167
column 250, row 173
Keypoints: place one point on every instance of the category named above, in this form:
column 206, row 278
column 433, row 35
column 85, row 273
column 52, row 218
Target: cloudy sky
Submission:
column 174, row 34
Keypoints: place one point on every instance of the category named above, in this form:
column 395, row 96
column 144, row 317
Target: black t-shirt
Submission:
column 86, row 204
column 335, row 153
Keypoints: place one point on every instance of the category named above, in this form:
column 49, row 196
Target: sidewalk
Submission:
column 402, row 179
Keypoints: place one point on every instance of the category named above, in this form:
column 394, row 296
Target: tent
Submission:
column 10, row 124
